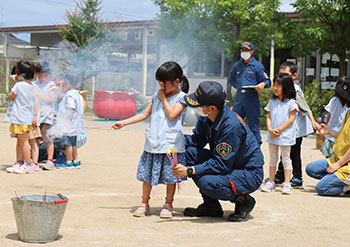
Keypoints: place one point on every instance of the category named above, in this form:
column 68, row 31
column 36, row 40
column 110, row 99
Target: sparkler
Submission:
column 173, row 160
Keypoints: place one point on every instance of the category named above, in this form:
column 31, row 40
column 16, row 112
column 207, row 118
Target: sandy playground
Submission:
column 103, row 194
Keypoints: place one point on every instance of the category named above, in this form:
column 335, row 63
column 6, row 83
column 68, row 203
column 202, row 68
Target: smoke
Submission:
column 78, row 66
column 104, row 60
column 115, row 61
column 191, row 38
column 63, row 126
column 83, row 62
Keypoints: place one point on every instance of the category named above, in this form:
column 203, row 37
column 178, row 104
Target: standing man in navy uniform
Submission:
column 232, row 167
column 248, row 76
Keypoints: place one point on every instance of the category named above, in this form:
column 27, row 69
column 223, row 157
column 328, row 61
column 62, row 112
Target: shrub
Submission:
column 142, row 102
column 317, row 99
column 264, row 97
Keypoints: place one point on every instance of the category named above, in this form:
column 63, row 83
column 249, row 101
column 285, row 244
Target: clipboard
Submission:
column 247, row 87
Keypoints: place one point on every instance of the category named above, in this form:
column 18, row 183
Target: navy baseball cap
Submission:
column 207, row 93
column 247, row 44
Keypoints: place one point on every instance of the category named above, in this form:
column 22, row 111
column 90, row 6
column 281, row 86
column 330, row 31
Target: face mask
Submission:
column 245, row 55
column 201, row 113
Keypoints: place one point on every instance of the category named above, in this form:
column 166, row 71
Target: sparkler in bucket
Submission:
column 173, row 160
column 44, row 197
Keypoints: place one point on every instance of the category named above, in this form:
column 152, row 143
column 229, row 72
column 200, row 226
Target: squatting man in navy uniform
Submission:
column 232, row 167
column 248, row 76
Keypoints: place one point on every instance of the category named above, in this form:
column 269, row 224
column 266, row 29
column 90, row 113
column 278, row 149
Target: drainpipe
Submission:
column 318, row 68
column 222, row 74
column 7, row 74
column 144, row 61
column 272, row 59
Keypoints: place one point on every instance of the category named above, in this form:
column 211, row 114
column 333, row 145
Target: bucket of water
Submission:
column 39, row 217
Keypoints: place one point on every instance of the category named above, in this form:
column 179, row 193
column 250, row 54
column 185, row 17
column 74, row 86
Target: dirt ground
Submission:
column 103, row 194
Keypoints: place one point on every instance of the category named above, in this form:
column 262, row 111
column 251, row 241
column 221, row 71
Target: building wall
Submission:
column 45, row 39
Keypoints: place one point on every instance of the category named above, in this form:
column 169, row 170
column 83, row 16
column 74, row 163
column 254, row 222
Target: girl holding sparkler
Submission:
column 165, row 132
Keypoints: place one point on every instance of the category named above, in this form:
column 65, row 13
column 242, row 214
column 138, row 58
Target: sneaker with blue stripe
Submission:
column 297, row 183
column 70, row 165
column 66, row 165
column 62, row 165
column 77, row 165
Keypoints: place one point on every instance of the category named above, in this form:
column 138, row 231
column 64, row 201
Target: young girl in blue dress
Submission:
column 165, row 131
column 282, row 109
column 23, row 116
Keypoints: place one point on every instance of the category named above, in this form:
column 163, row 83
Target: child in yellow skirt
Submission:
column 34, row 147
column 35, row 133
column 23, row 116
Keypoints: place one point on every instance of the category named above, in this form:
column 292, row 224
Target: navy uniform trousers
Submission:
column 247, row 104
column 219, row 186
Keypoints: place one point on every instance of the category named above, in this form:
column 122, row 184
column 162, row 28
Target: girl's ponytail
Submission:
column 185, row 86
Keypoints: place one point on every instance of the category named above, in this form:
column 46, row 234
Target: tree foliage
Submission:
column 87, row 37
column 325, row 26
column 317, row 101
column 221, row 25
column 187, row 27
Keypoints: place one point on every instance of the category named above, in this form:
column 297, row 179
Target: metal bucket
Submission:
column 38, row 217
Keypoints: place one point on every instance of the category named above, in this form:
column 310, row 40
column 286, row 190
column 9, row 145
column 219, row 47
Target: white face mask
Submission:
column 245, row 55
column 201, row 113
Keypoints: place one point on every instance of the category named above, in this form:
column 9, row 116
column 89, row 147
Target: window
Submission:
column 137, row 35
column 150, row 32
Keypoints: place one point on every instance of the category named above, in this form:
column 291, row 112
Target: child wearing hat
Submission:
column 334, row 172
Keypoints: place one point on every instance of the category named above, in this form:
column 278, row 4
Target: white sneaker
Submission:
column 25, row 168
column 286, row 189
column 49, row 165
column 270, row 186
column 13, row 168
column 35, row 166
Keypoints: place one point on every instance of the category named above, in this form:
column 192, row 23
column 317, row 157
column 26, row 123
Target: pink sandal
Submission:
column 166, row 212
column 142, row 210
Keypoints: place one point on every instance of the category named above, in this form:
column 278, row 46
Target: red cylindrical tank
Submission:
column 114, row 105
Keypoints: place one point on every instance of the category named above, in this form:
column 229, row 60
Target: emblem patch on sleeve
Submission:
column 223, row 149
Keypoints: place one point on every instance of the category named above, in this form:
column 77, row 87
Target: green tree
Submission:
column 186, row 27
column 325, row 26
column 87, row 37
column 317, row 101
column 222, row 24
column 194, row 27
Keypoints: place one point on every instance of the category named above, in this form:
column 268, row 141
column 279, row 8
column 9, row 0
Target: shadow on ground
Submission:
column 15, row 237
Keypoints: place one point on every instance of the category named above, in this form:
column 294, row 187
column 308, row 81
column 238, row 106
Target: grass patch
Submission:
column 89, row 112
column 3, row 109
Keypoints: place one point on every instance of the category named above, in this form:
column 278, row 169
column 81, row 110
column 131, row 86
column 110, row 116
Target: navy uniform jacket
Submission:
column 249, row 74
column 232, row 144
